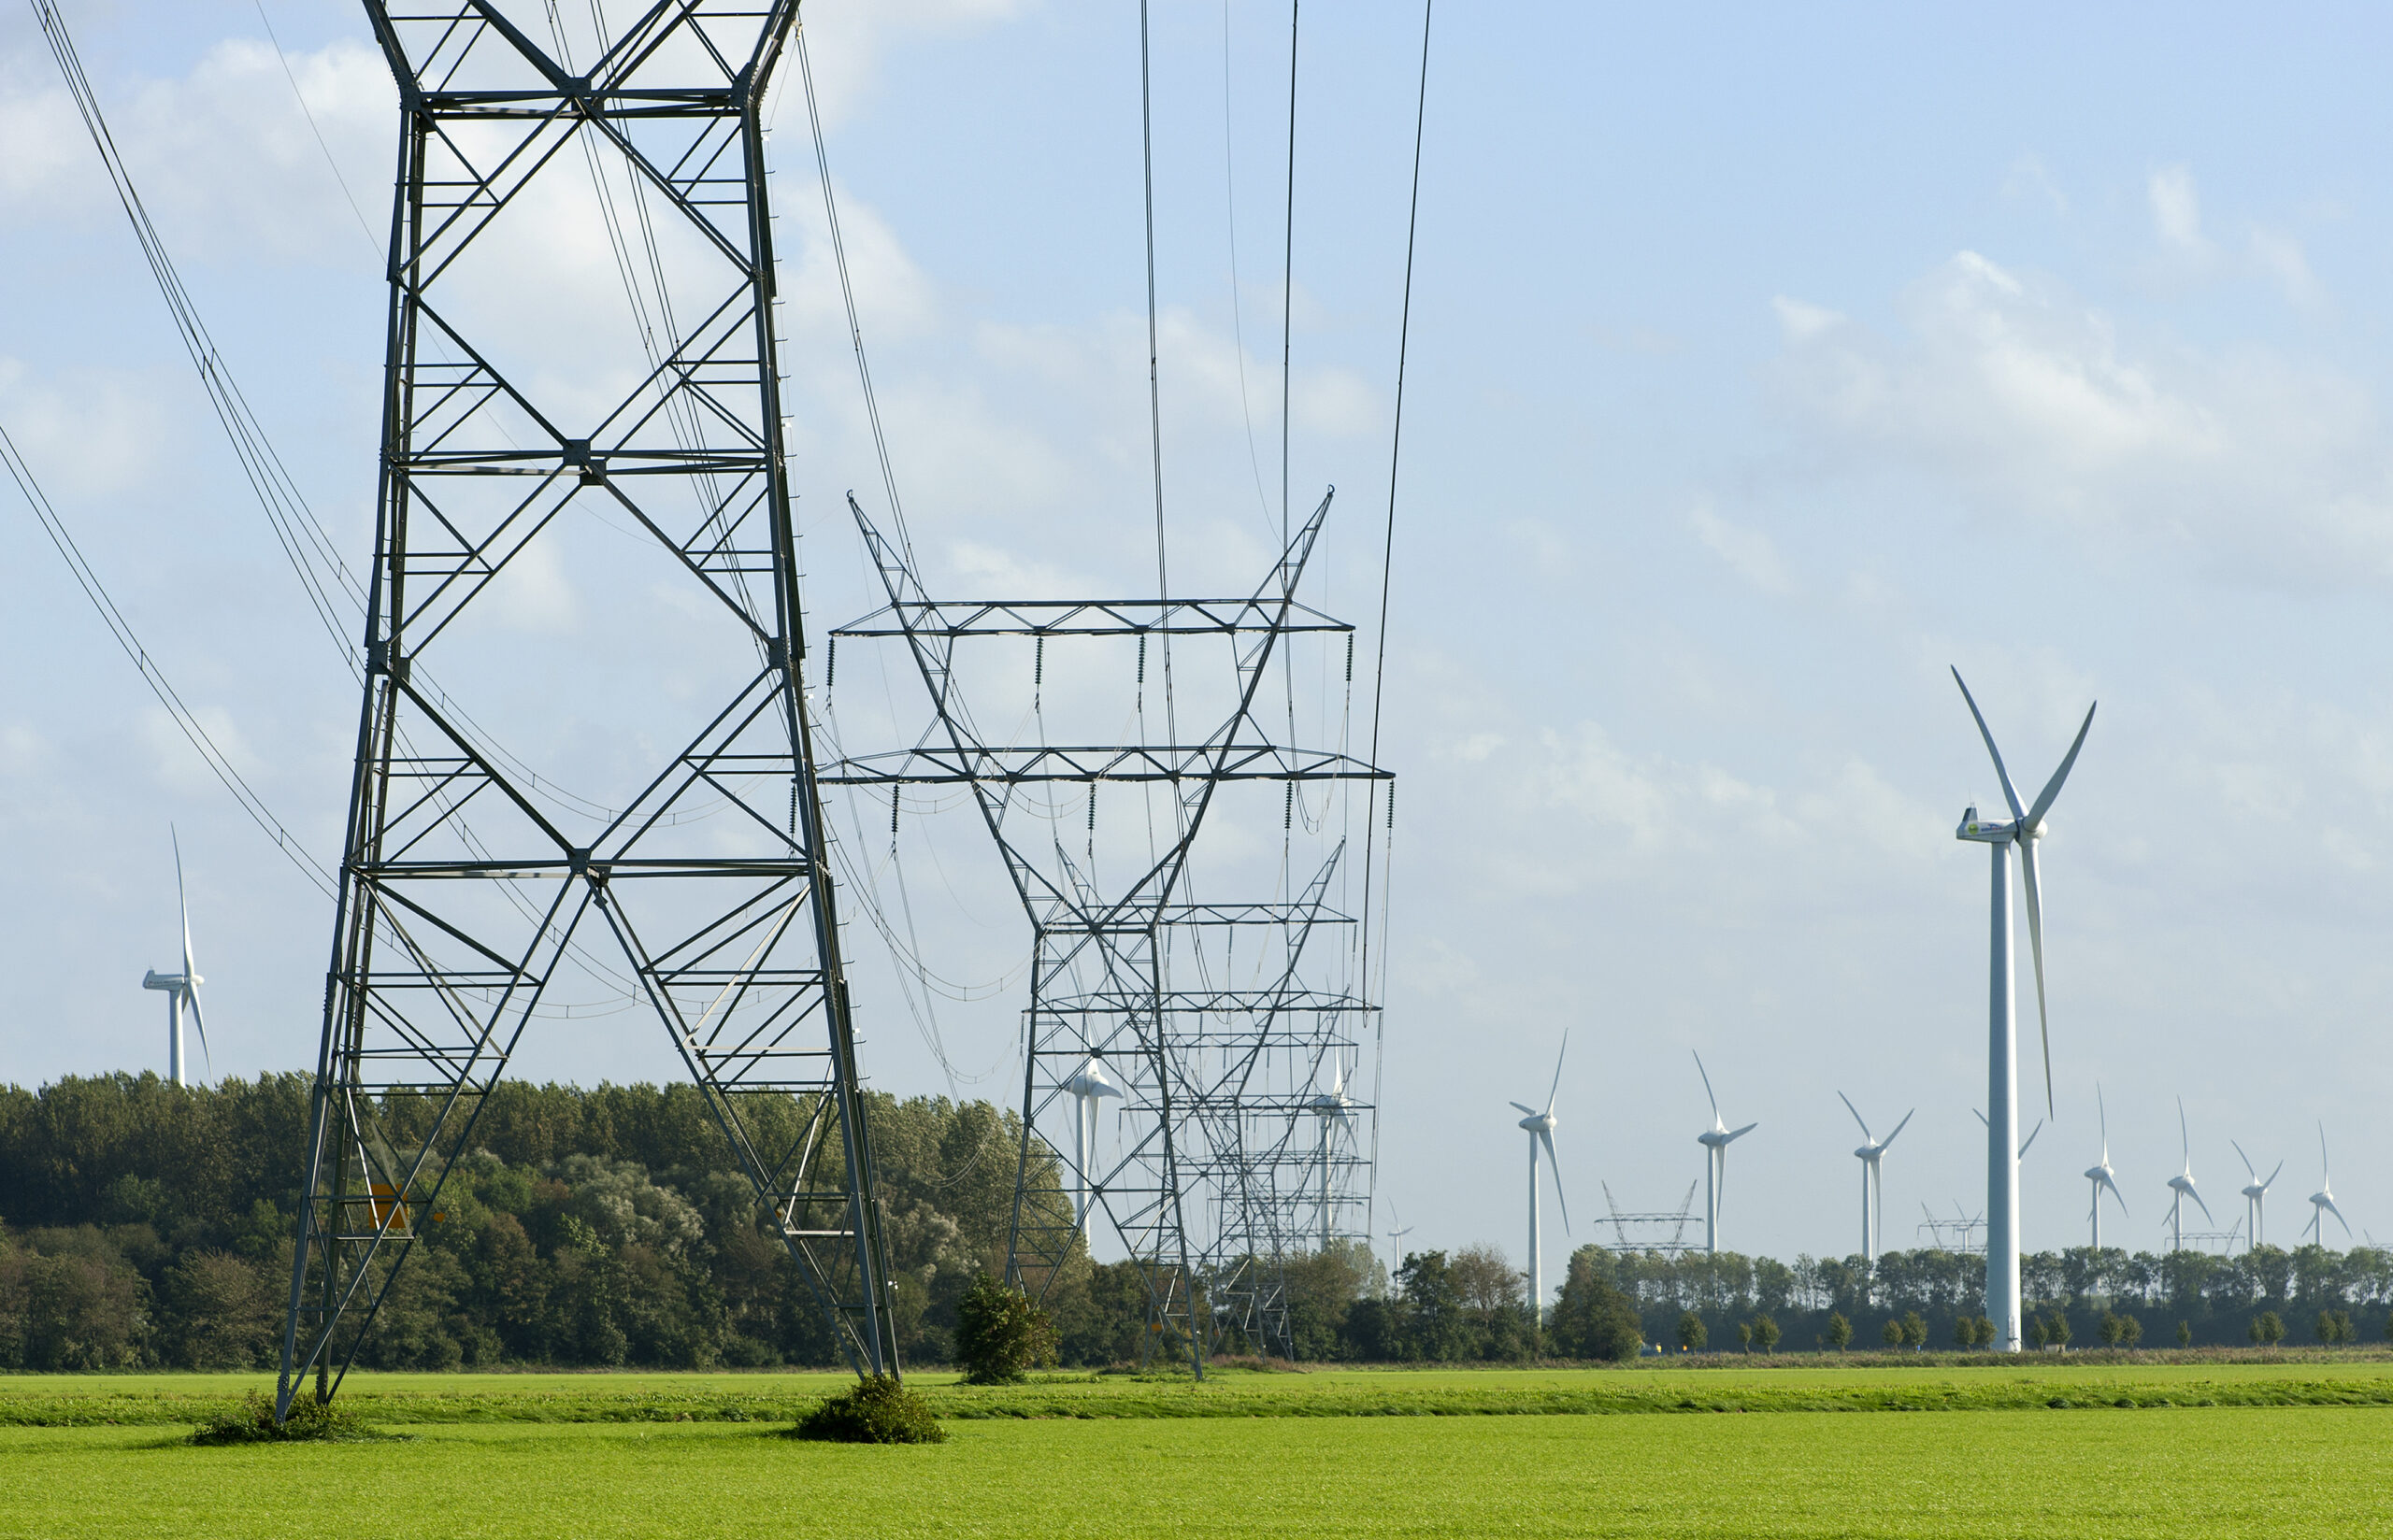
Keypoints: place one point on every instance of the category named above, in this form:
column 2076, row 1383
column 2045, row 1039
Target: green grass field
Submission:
column 2302, row 1450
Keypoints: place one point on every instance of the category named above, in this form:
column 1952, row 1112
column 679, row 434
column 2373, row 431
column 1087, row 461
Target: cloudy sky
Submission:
column 1761, row 370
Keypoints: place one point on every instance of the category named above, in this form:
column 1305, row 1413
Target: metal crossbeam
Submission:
column 465, row 891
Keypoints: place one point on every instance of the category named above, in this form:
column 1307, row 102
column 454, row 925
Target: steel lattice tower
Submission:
column 703, row 895
column 1220, row 1087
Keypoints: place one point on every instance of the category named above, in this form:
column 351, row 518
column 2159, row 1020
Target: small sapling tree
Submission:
column 2059, row 1330
column 2186, row 1333
column 1745, row 1335
column 1840, row 1331
column 1891, row 1334
column 1766, row 1333
column 1914, row 1329
column 1000, row 1333
column 1691, row 1332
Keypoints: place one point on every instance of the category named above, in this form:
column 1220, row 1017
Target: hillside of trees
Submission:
column 146, row 1226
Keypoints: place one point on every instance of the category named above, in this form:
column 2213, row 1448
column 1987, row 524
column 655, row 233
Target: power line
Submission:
column 1387, row 566
column 218, row 761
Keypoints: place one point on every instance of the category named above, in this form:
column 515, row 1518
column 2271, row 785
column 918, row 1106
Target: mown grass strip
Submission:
column 1285, row 1397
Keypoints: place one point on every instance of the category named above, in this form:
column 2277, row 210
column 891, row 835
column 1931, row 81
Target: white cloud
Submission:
column 1749, row 552
column 2280, row 257
column 1802, row 321
column 2176, row 209
column 2025, row 398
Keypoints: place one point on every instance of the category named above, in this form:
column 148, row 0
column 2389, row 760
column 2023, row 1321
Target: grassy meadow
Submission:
column 2034, row 1448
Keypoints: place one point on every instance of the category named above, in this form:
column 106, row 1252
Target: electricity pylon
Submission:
column 1215, row 1081
column 701, row 894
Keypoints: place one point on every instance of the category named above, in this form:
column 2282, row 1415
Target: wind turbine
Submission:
column 1396, row 1236
column 1087, row 1087
column 2027, row 826
column 2255, row 1193
column 2322, row 1202
column 181, row 989
column 1331, row 1108
column 1873, row 1193
column 2183, row 1185
column 2102, row 1176
column 1540, row 1130
column 1715, row 1141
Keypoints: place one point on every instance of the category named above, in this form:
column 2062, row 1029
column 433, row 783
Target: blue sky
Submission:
column 1763, row 365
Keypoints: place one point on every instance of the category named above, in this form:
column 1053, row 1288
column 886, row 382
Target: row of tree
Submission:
column 143, row 1224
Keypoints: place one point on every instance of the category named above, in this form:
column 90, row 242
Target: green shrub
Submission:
column 877, row 1410
column 310, row 1421
column 1914, row 1329
column 1000, row 1335
column 1891, row 1334
column 1840, row 1331
column 1766, row 1332
column 1692, row 1335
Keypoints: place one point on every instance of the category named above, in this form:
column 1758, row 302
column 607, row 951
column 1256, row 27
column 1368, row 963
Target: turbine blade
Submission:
column 1899, row 1129
column 1555, row 1161
column 1530, row 1111
column 190, row 998
column 2324, row 1170
column 2272, row 1176
column 1707, row 1087
column 2339, row 1220
column 2185, row 1141
column 1556, row 1090
column 1739, row 1134
column 1857, row 1114
column 2052, row 787
column 2104, row 1113
column 1981, row 1117
column 2008, row 794
column 2031, row 1137
column 2248, row 1161
column 181, row 903
column 2036, row 948
column 2196, row 1196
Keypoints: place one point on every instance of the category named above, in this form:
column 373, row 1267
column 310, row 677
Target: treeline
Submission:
column 144, row 1225
column 2310, row 1292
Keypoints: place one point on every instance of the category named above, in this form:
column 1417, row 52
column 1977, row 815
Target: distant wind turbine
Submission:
column 181, row 989
column 2183, row 1185
column 2256, row 1193
column 2322, row 1202
column 2102, row 1176
column 1334, row 1110
column 1715, row 1141
column 2027, row 826
column 1087, row 1088
column 1873, row 1193
column 1540, row 1130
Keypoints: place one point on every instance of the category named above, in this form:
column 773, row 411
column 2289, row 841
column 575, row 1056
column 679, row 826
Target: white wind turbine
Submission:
column 1395, row 1235
column 2183, row 1185
column 2322, row 1202
column 1873, row 1193
column 1333, row 1108
column 2102, row 1175
column 2256, row 1193
column 2027, row 826
column 1540, row 1130
column 1090, row 1085
column 181, row 989
column 1715, row 1141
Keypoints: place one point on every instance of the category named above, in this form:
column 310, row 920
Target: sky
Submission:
column 1763, row 366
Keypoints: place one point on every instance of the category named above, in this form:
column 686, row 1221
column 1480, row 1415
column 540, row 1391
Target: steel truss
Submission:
column 1236, row 1140
column 703, row 897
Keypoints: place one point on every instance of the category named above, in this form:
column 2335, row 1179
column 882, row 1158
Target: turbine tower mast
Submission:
column 1541, row 1126
column 499, row 442
column 2027, row 826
